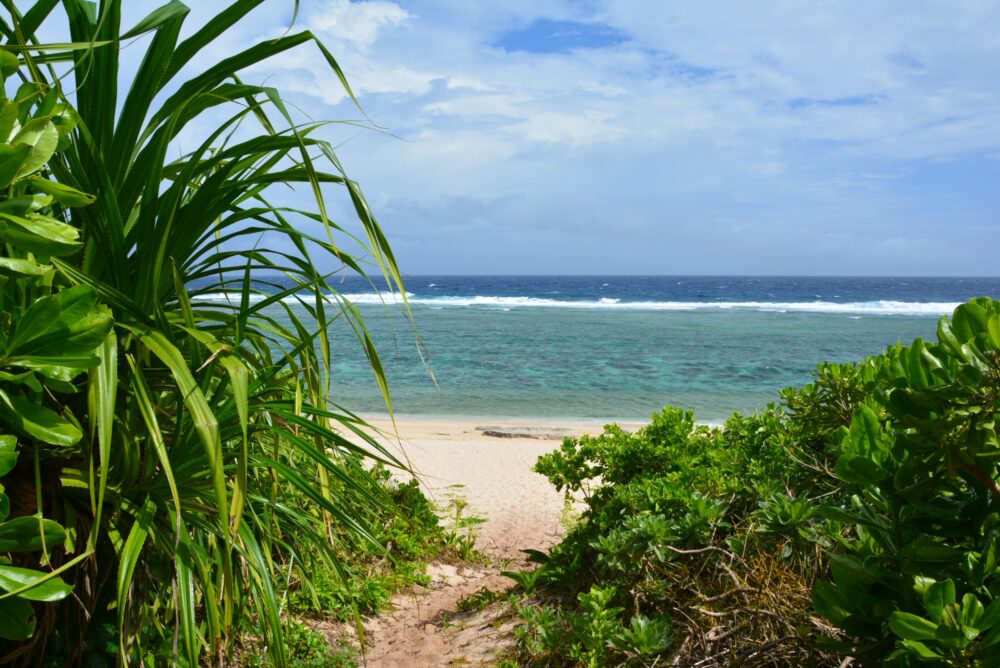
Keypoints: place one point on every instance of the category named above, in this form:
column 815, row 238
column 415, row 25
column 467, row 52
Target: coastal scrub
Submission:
column 857, row 519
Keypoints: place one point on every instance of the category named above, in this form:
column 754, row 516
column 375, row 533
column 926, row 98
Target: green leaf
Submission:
column 24, row 266
column 20, row 205
column 239, row 379
column 71, row 345
column 859, row 470
column 991, row 616
column 11, row 159
column 921, row 650
column 8, row 118
column 969, row 320
column 993, row 326
column 61, row 193
column 865, row 431
column 952, row 636
column 911, row 627
column 41, row 136
column 41, row 235
column 9, row 64
column 26, row 378
column 8, row 454
column 207, row 426
column 40, row 586
column 17, row 619
column 62, row 326
column 937, row 597
column 130, row 555
column 970, row 613
column 38, row 421
column 36, row 321
column 101, row 398
column 830, row 602
column 925, row 548
column 26, row 534
column 991, row 638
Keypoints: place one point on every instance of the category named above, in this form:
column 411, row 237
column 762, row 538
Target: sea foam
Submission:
column 879, row 307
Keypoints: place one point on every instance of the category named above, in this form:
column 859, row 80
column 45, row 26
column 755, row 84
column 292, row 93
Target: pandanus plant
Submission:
column 207, row 455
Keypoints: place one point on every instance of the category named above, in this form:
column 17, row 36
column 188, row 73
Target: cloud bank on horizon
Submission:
column 602, row 136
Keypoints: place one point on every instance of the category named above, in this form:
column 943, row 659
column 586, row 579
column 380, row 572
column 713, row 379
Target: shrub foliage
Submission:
column 860, row 519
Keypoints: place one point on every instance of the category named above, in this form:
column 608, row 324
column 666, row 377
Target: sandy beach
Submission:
column 488, row 463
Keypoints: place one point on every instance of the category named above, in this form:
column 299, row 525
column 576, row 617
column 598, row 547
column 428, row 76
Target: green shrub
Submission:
column 916, row 579
column 49, row 337
column 871, row 499
column 673, row 512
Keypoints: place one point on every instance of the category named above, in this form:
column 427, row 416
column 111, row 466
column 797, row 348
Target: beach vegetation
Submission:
column 460, row 527
column 173, row 462
column 478, row 600
column 858, row 517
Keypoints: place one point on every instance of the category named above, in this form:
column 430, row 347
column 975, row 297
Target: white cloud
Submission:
column 356, row 23
column 572, row 129
column 490, row 104
column 731, row 124
column 463, row 81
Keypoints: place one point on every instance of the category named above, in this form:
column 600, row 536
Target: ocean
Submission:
column 609, row 348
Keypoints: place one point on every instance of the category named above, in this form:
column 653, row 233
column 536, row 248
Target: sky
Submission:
column 656, row 137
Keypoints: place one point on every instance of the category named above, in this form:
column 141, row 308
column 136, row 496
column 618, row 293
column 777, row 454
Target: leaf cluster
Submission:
column 675, row 514
column 916, row 580
column 860, row 519
column 48, row 337
column 185, row 453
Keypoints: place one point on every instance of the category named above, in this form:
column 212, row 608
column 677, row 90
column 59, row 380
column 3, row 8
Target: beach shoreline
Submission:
column 487, row 463
column 571, row 424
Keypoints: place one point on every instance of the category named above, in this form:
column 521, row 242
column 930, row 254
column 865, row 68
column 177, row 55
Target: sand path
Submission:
column 520, row 509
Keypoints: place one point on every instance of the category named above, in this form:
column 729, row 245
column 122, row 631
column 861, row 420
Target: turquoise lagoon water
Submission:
column 620, row 348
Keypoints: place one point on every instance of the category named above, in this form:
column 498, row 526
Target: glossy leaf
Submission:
column 24, row 534
column 921, row 650
column 33, row 585
column 11, row 160
column 937, row 597
column 9, row 63
column 41, row 136
column 911, row 627
column 65, row 324
column 8, row 454
column 38, row 421
column 40, row 235
column 991, row 615
column 23, row 266
column 17, row 619
column 63, row 194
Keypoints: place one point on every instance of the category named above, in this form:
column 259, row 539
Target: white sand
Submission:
column 520, row 507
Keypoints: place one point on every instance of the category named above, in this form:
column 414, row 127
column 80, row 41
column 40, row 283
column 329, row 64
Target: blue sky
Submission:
column 658, row 137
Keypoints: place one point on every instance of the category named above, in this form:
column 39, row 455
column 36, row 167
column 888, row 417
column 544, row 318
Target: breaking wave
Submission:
column 880, row 307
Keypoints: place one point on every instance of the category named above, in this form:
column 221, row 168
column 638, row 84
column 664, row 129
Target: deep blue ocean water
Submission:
column 614, row 347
